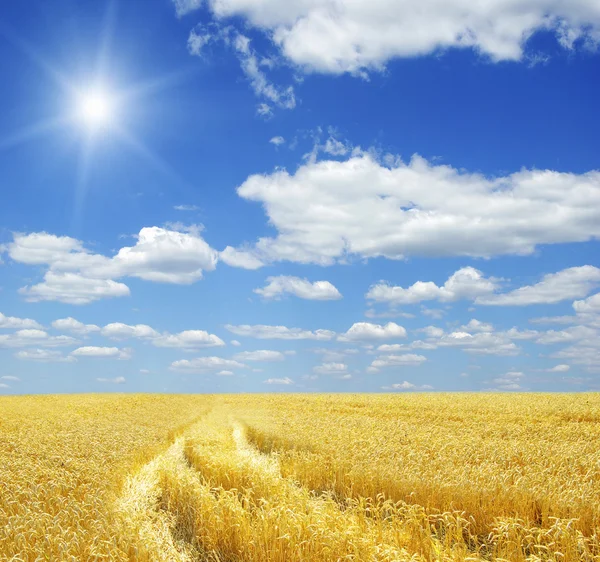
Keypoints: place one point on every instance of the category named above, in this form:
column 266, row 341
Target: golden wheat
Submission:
column 301, row 478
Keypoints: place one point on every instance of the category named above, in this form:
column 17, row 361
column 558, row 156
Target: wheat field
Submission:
column 229, row 478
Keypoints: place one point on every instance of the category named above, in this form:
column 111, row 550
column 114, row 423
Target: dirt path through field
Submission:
column 213, row 496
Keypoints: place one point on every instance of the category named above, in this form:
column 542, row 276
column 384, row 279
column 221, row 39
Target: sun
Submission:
column 96, row 109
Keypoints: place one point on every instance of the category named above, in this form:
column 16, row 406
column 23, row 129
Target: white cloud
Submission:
column 585, row 353
column 554, row 287
column 554, row 320
column 324, row 211
column 432, row 331
column 277, row 141
column 166, row 256
column 466, row 283
column 71, row 325
column 435, row 313
column 186, row 208
column 265, row 332
column 371, row 313
column 509, row 381
column 366, row 331
column 235, row 343
column 116, row 380
column 119, row 331
column 285, row 381
column 4, row 385
column 76, row 276
column 331, row 369
column 102, row 352
column 33, row 337
column 334, row 355
column 392, row 348
column 475, row 325
column 335, row 147
column 407, row 359
column 405, row 385
column 264, row 110
column 10, row 378
column 250, row 62
column 145, row 371
column 301, row 288
column 44, row 356
column 482, row 343
column 559, row 369
column 183, row 7
column 240, row 258
column 574, row 333
column 260, row 355
column 72, row 288
column 189, row 339
column 591, row 305
column 334, row 37
column 225, row 373
column 205, row 365
column 13, row 323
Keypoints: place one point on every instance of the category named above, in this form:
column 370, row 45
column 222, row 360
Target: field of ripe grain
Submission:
column 282, row 478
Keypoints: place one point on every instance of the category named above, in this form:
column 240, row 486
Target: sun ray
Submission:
column 108, row 28
column 36, row 58
column 155, row 85
column 31, row 132
column 154, row 160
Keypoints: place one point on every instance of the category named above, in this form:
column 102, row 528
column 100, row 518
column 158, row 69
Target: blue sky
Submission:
column 257, row 196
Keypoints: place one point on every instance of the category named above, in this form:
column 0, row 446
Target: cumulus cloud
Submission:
column 77, row 276
column 277, row 141
column 331, row 369
column 240, row 258
column 186, row 208
column 119, row 331
column 301, row 288
column 591, row 305
column 116, row 380
column 466, row 283
column 265, row 332
column 361, row 331
column 189, row 339
column 285, row 381
column 260, row 355
column 559, row 369
column 74, row 326
column 405, row 385
column 102, row 352
column 205, row 365
column 13, row 323
column 482, row 343
column 44, row 356
column 336, row 37
column 34, row 337
column 335, row 147
column 324, row 211
column 72, row 288
column 509, row 381
column 567, row 284
column 404, row 360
